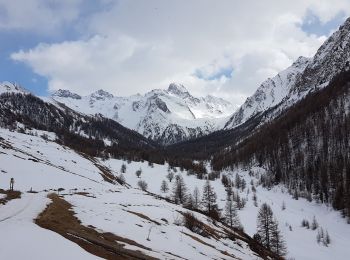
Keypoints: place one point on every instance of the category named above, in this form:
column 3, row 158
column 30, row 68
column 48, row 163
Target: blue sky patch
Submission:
column 313, row 25
column 226, row 72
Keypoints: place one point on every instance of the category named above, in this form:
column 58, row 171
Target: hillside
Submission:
column 153, row 229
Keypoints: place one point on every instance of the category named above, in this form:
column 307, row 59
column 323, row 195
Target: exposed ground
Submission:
column 9, row 195
column 59, row 217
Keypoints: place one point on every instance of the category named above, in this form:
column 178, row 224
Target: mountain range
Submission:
column 166, row 116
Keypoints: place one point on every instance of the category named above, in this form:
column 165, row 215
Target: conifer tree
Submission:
column 209, row 198
column 267, row 229
column 179, row 190
column 164, row 186
column 231, row 216
column 196, row 198
column 278, row 245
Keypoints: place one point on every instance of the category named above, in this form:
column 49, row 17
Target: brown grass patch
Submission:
column 199, row 240
column 10, row 195
column 59, row 217
column 143, row 216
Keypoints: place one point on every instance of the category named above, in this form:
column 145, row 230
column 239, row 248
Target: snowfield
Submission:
column 301, row 242
column 156, row 228
column 23, row 239
column 44, row 166
column 130, row 213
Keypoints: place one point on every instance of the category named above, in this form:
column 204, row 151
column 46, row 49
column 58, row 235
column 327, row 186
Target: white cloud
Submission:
column 140, row 45
column 37, row 15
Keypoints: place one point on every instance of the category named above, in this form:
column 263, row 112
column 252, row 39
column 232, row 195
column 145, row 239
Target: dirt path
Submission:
column 59, row 217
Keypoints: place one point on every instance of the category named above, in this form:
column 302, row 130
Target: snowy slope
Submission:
column 270, row 93
column 45, row 166
column 167, row 116
column 22, row 239
column 8, row 87
column 301, row 242
column 302, row 77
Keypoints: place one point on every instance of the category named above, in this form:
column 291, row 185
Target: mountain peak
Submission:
column 6, row 87
column 101, row 94
column 177, row 89
column 65, row 93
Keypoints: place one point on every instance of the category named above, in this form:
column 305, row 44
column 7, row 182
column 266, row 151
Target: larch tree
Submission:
column 164, row 186
column 209, row 198
column 231, row 216
column 268, row 231
column 278, row 244
column 265, row 224
column 196, row 198
column 123, row 168
column 179, row 190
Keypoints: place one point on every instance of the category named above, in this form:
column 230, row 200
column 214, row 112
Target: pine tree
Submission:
column 209, row 198
column 142, row 185
column 229, row 193
column 121, row 179
column 231, row 216
column 265, row 224
column 189, row 202
column 196, row 198
column 327, row 239
column 255, row 200
column 314, row 224
column 164, row 186
column 123, row 168
column 278, row 245
column 238, row 181
column 138, row 173
column 179, row 190
column 283, row 205
column 170, row 176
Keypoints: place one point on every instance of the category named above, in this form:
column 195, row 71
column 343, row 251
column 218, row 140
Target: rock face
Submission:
column 62, row 93
column 303, row 76
column 167, row 116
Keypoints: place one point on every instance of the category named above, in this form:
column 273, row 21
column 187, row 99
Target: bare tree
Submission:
column 196, row 198
column 164, row 186
column 209, row 198
column 170, row 176
column 179, row 190
column 267, row 229
column 278, row 244
column 142, row 185
column 231, row 216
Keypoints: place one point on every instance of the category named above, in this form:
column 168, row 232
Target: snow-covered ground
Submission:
column 43, row 165
column 37, row 164
column 21, row 238
column 301, row 242
column 127, row 212
column 117, row 212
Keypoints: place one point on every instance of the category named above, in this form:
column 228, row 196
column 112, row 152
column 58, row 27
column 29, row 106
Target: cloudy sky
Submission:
column 226, row 48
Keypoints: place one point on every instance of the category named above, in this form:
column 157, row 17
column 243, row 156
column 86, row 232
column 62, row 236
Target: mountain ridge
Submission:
column 156, row 114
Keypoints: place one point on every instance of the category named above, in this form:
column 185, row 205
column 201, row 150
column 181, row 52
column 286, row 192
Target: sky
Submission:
column 225, row 48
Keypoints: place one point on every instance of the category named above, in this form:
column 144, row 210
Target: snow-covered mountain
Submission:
column 167, row 116
column 270, row 93
column 302, row 77
column 8, row 87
